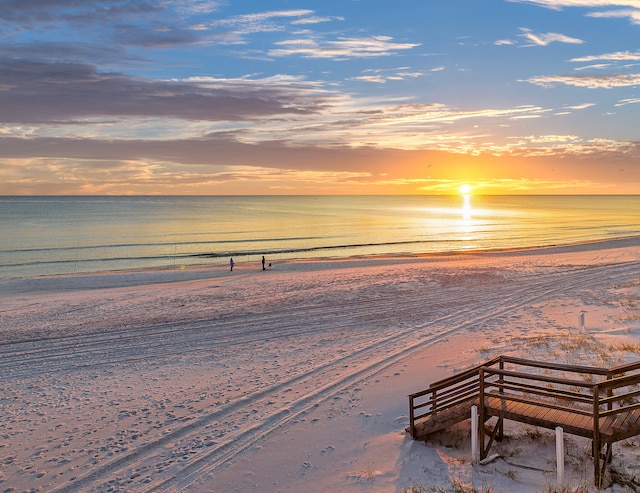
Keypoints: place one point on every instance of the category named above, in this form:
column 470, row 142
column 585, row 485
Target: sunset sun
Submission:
column 465, row 189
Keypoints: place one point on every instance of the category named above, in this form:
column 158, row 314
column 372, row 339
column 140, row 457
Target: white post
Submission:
column 581, row 321
column 475, row 455
column 560, row 456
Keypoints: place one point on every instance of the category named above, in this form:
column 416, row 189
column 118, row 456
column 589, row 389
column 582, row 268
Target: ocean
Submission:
column 61, row 235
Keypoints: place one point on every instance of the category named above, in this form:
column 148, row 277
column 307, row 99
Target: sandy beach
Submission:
column 296, row 378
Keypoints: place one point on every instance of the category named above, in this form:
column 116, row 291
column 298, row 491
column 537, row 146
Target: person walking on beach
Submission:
column 231, row 263
column 263, row 268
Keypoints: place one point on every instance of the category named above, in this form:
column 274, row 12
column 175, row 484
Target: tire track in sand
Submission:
column 354, row 367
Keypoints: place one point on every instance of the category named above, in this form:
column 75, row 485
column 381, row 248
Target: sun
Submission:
column 465, row 189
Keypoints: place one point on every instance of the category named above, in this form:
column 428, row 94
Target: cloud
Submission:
column 197, row 6
column 63, row 52
column 551, row 139
column 605, row 81
column 156, row 37
column 539, row 39
column 21, row 13
column 633, row 15
column 73, row 100
column 597, row 66
column 316, row 20
column 378, row 79
column 382, row 76
column 618, row 56
column 545, row 39
column 624, row 102
column 36, row 92
column 342, row 48
column 559, row 4
column 74, row 166
column 580, row 106
column 260, row 22
column 99, row 27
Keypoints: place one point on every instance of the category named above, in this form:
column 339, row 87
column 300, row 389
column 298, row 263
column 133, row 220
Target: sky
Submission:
column 203, row 97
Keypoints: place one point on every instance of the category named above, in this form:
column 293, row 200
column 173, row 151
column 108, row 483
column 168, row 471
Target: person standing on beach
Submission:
column 263, row 263
column 231, row 263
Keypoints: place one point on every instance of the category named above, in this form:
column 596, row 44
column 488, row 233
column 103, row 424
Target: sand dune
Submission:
column 292, row 379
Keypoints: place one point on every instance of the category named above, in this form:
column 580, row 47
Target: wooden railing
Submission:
column 603, row 397
column 445, row 394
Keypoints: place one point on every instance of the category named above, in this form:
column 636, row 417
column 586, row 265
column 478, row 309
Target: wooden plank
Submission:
column 635, row 417
column 555, row 366
column 579, row 420
column 570, row 419
column 624, row 368
column 545, row 413
column 580, row 425
column 606, row 427
column 554, row 415
column 624, row 425
column 530, row 410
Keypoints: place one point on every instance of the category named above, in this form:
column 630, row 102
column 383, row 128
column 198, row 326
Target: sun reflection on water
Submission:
column 466, row 207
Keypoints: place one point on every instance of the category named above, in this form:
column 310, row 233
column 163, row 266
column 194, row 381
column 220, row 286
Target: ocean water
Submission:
column 58, row 235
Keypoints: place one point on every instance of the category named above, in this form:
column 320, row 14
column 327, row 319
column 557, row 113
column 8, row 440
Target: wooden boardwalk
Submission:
column 613, row 428
column 596, row 403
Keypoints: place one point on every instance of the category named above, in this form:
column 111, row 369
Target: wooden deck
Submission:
column 596, row 403
column 613, row 428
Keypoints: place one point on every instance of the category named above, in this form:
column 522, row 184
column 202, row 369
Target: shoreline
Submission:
column 169, row 274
